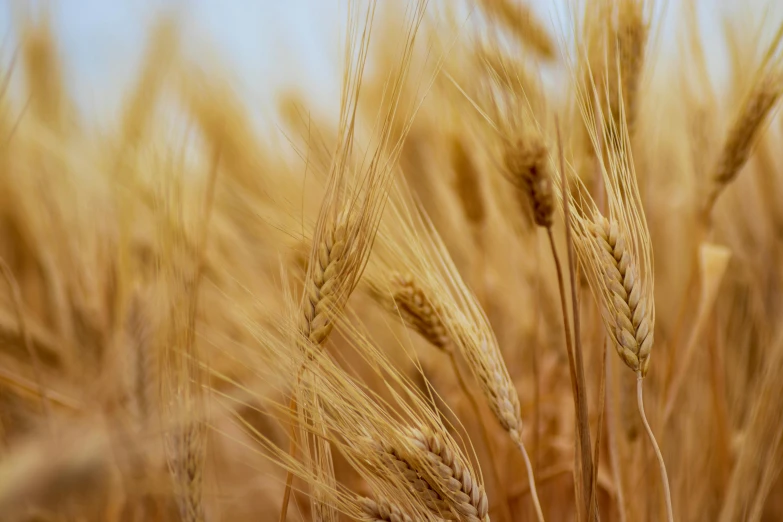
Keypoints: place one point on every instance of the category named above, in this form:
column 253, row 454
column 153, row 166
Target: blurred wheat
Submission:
column 403, row 314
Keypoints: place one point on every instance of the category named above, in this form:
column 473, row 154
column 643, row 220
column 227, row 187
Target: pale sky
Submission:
column 265, row 44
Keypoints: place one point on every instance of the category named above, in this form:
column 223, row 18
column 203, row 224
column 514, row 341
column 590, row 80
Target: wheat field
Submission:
column 521, row 269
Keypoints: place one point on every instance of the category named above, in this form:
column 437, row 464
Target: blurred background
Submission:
column 266, row 44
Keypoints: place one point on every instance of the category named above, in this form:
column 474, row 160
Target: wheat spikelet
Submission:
column 382, row 510
column 419, row 312
column 744, row 129
column 453, row 477
column 632, row 325
column 321, row 289
column 397, row 463
column 527, row 165
column 186, row 469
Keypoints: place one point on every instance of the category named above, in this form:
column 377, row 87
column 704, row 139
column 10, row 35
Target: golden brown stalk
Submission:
column 520, row 19
column 632, row 321
column 743, row 132
column 662, row 466
column 576, row 360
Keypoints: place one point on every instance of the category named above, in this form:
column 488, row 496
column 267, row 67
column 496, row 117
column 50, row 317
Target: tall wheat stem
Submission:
column 662, row 465
column 517, row 437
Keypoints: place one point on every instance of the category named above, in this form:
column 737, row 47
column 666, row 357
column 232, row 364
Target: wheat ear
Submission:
column 632, row 326
column 527, row 165
column 504, row 403
column 397, row 463
column 742, row 134
column 424, row 315
column 320, row 291
column 452, row 476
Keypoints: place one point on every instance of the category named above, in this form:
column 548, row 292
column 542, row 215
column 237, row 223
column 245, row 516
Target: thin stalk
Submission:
column 599, row 428
column 583, row 422
column 662, row 465
column 289, row 477
column 531, row 479
column 484, row 435
column 611, row 438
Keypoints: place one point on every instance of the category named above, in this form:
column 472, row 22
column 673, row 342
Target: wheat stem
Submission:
column 611, row 436
column 517, row 438
column 583, row 423
column 661, row 463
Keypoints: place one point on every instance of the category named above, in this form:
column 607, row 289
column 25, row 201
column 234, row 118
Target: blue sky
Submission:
column 265, row 44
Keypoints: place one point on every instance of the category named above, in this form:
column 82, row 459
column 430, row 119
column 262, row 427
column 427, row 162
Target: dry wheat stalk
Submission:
column 616, row 253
